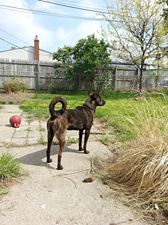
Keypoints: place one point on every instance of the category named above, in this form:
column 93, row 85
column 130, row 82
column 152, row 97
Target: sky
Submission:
column 18, row 27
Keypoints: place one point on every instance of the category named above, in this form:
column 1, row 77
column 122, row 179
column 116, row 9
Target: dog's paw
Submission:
column 86, row 152
column 59, row 167
column 80, row 149
column 49, row 160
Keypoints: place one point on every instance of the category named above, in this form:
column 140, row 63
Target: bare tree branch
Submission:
column 134, row 25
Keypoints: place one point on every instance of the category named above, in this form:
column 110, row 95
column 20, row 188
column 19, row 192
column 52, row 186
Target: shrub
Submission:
column 9, row 167
column 14, row 84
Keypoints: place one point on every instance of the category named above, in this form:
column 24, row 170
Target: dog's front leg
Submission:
column 80, row 139
column 87, row 132
column 50, row 138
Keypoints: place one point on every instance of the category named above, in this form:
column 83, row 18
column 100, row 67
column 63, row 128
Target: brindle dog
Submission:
column 80, row 118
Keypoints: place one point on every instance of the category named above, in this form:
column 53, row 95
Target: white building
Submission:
column 32, row 54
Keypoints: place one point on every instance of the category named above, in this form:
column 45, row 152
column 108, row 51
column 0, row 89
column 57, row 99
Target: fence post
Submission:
column 138, row 80
column 114, row 78
column 36, row 74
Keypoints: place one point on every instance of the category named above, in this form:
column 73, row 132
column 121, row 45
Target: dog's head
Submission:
column 93, row 101
column 96, row 100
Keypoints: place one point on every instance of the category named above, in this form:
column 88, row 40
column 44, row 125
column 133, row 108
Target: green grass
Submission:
column 72, row 140
column 105, row 139
column 42, row 141
column 118, row 109
column 2, row 102
column 117, row 113
column 3, row 191
column 9, row 167
column 38, row 106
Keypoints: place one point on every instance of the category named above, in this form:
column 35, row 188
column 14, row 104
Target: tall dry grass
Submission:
column 142, row 166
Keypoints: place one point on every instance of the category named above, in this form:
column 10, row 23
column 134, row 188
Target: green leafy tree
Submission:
column 87, row 61
column 133, row 26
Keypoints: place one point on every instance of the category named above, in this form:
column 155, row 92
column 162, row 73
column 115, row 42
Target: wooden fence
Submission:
column 34, row 75
column 123, row 77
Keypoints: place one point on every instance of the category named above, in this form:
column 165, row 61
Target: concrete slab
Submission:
column 48, row 196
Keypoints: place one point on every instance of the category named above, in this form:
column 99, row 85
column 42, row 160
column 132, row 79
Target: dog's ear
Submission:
column 93, row 95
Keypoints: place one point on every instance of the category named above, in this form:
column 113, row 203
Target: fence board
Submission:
column 43, row 77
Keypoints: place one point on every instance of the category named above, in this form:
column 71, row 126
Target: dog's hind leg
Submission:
column 50, row 139
column 61, row 139
column 87, row 132
column 80, row 139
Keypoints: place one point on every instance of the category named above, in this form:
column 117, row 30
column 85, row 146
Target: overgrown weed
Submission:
column 142, row 166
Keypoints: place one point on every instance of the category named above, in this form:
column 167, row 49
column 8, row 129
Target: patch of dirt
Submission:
column 5, row 186
column 14, row 98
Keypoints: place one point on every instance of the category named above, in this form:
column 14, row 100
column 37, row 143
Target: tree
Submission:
column 87, row 61
column 134, row 25
column 165, row 9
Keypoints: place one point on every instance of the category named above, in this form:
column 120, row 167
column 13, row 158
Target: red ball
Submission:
column 15, row 121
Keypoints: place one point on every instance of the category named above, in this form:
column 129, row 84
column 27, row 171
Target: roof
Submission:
column 12, row 49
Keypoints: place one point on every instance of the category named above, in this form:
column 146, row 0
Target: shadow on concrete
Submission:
column 8, row 125
column 38, row 158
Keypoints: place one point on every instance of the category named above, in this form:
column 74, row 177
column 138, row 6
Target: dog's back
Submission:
column 79, row 118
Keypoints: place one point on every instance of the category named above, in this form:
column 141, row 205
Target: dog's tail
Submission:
column 55, row 113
